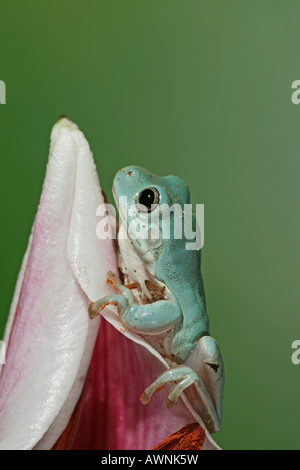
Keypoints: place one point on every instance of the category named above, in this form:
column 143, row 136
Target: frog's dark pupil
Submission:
column 147, row 198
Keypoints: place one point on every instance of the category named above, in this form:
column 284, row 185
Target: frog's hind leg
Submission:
column 184, row 377
column 202, row 380
column 206, row 360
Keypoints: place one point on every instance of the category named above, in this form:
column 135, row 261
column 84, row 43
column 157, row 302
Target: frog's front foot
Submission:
column 95, row 308
column 123, row 300
column 182, row 377
column 122, row 303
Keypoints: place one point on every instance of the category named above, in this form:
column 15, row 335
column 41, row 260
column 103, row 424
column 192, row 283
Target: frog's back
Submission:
column 180, row 270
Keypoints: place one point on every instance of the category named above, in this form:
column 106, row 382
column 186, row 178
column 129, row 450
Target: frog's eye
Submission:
column 147, row 200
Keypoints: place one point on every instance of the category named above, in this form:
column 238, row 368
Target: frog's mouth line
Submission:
column 123, row 219
column 115, row 239
column 121, row 275
column 121, row 215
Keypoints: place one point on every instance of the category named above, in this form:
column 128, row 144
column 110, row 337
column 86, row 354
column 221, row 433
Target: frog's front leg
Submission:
column 151, row 318
column 202, row 379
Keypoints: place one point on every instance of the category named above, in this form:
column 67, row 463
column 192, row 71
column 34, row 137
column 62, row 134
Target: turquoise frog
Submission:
column 162, row 296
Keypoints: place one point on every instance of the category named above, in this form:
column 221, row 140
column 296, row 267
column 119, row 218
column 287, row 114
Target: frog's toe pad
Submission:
column 170, row 403
column 177, row 390
column 145, row 398
column 183, row 378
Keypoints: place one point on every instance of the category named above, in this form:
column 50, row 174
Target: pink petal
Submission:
column 49, row 336
column 110, row 414
column 141, row 424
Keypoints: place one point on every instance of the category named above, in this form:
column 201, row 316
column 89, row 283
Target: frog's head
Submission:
column 140, row 195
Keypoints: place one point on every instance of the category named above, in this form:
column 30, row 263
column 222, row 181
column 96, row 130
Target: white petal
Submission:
column 50, row 338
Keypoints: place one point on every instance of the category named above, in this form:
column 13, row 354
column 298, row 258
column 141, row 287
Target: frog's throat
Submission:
column 135, row 270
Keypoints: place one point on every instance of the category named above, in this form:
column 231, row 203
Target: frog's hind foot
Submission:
column 182, row 376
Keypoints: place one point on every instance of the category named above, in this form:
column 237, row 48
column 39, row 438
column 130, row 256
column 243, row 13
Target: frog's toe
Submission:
column 112, row 279
column 178, row 389
column 155, row 387
column 183, row 378
column 95, row 308
column 145, row 398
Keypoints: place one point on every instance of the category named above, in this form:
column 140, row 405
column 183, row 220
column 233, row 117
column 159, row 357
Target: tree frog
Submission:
column 162, row 297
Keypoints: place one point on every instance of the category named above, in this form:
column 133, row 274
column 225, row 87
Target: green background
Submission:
column 200, row 89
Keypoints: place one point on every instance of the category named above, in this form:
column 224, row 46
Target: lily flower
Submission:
column 69, row 382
